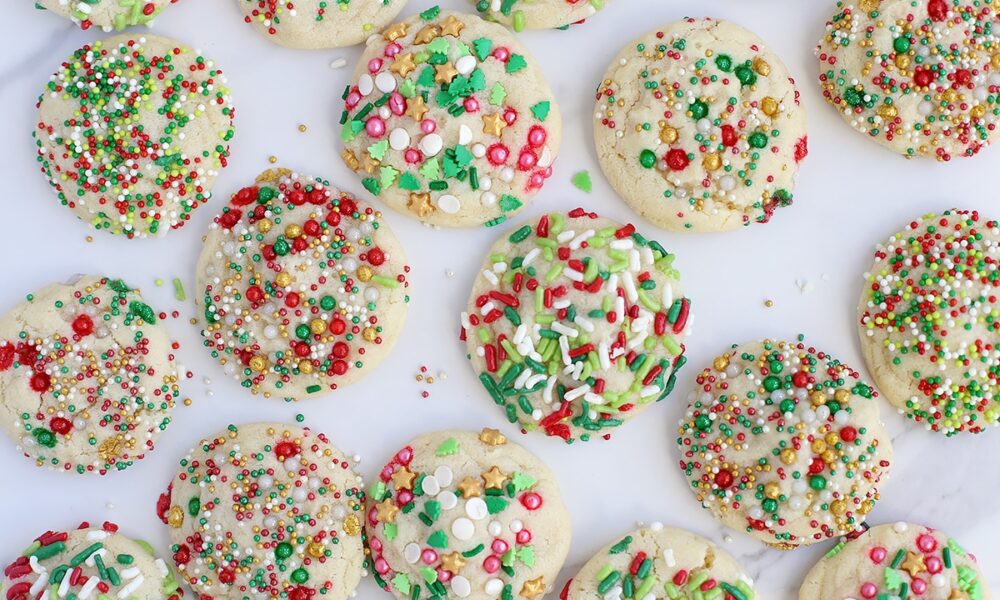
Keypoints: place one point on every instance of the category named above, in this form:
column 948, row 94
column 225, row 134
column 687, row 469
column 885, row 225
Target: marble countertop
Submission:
column 808, row 260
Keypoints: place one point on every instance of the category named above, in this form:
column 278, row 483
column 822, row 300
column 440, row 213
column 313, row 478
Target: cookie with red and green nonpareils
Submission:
column 132, row 132
column 928, row 321
column 784, row 442
column 660, row 562
column 303, row 289
column 575, row 324
column 538, row 14
column 901, row 560
column 88, row 376
column 919, row 77
column 109, row 15
column 266, row 511
column 698, row 127
column 89, row 562
column 457, row 514
column 312, row 24
column 450, row 121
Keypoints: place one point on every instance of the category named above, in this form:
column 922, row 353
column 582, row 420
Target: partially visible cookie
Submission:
column 698, row 127
column 928, row 323
column 538, row 14
column 457, row 514
column 132, row 132
column 109, row 15
column 784, row 442
column 575, row 324
column 450, row 121
column 89, row 562
column 901, row 560
column 655, row 561
column 266, row 511
column 88, row 377
column 314, row 24
column 917, row 77
column 302, row 288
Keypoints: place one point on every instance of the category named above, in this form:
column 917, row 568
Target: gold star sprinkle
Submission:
column 493, row 124
column 403, row 64
column 394, row 32
column 403, row 478
column 386, row 511
column 470, row 488
column 420, row 203
column 492, row 437
column 445, row 73
column 452, row 562
column 494, row 478
column 416, row 109
column 533, row 588
column 914, row 564
column 427, row 34
column 452, row 26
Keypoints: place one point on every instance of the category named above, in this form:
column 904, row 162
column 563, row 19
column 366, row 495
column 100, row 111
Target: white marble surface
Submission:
column 850, row 194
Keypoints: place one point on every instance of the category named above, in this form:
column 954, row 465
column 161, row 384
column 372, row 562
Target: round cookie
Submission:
column 457, row 514
column 655, row 561
column 88, row 377
column 894, row 561
column 450, row 121
column 140, row 150
column 266, row 511
column 538, row 14
column 928, row 323
column 89, row 562
column 918, row 77
column 698, row 127
column 575, row 324
column 315, row 24
column 109, row 15
column 303, row 289
column 784, row 442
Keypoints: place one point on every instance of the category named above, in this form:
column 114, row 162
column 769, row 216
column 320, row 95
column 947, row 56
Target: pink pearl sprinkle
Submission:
column 919, row 586
column 471, row 104
column 877, row 554
column 375, row 65
column 491, row 564
column 405, row 455
column 523, row 537
column 443, row 576
column 536, row 136
column 392, row 49
column 868, row 590
column 376, row 544
column 510, row 116
column 405, row 497
column 497, row 154
column 412, row 156
column 501, row 53
column 531, row 500
column 525, row 161
column 499, row 546
column 926, row 543
column 428, row 556
column 934, row 565
column 536, row 180
column 353, row 98
column 381, row 566
column 397, row 104
column 375, row 127
column 387, row 472
column 428, row 126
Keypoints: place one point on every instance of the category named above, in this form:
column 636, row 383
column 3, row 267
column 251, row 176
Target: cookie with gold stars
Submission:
column 450, row 121
column 698, row 127
column 314, row 24
column 538, row 14
column 927, row 320
column 132, row 132
column 456, row 514
column 919, row 78
column 784, row 442
column 266, row 511
column 660, row 562
column 88, row 562
column 88, row 376
column 901, row 560
column 302, row 288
